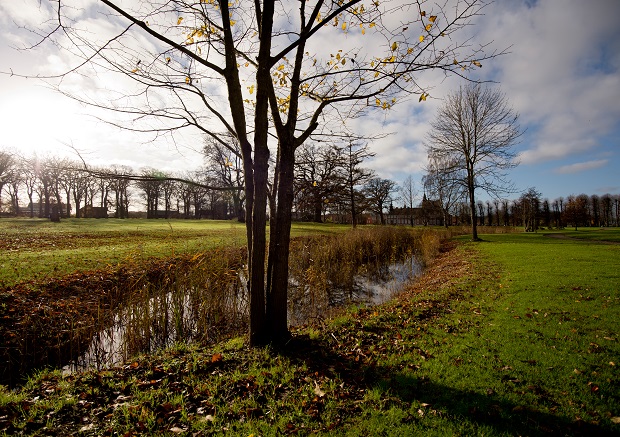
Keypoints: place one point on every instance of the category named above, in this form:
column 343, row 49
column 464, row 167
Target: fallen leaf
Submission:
column 615, row 420
column 216, row 358
column 317, row 390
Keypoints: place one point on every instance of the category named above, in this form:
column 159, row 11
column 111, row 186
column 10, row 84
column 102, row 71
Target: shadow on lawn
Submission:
column 485, row 410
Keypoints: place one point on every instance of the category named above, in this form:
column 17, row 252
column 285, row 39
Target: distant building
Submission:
column 89, row 211
column 429, row 213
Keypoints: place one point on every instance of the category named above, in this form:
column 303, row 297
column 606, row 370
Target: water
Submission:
column 184, row 315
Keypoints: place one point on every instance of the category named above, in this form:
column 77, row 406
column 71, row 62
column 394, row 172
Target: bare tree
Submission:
column 225, row 166
column 276, row 82
column 475, row 130
column 319, row 178
column 409, row 194
column 439, row 183
column 379, row 193
column 7, row 162
column 354, row 153
column 576, row 211
column 530, row 209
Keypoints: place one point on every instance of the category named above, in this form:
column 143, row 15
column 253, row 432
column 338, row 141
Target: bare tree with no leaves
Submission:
column 475, row 130
column 259, row 71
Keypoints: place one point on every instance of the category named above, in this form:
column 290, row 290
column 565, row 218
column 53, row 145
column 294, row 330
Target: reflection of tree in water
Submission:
column 372, row 283
column 200, row 313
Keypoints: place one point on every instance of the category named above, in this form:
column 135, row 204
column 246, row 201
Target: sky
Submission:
column 561, row 74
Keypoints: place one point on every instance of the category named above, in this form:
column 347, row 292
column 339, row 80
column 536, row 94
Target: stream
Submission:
column 176, row 316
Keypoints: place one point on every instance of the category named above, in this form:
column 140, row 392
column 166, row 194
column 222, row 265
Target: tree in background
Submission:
column 7, row 163
column 409, row 194
column 319, row 179
column 474, row 132
column 379, row 194
column 224, row 166
column 439, row 184
column 354, row 154
column 530, row 209
column 576, row 211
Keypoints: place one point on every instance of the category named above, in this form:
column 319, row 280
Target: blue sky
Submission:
column 561, row 75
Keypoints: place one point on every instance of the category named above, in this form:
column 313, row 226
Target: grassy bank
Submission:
column 513, row 336
column 38, row 249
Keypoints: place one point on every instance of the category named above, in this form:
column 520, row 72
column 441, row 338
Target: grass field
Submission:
column 517, row 335
column 38, row 249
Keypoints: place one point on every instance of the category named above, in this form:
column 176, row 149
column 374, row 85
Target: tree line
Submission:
column 329, row 182
column 533, row 212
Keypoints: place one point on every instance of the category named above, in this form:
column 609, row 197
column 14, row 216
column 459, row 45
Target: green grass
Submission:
column 516, row 335
column 39, row 249
column 594, row 234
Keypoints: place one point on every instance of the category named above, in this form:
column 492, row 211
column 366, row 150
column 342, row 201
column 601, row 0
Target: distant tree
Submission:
column 530, row 209
column 409, row 194
column 7, row 163
column 439, row 184
column 606, row 210
column 379, row 194
column 151, row 186
column 489, row 208
column 353, row 154
column 595, row 209
column 576, row 210
column 224, row 167
column 506, row 212
column 480, row 214
column 546, row 213
column 475, row 130
column 119, row 185
column 557, row 212
column 319, row 178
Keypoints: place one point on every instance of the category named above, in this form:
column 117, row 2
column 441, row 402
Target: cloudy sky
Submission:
column 561, row 75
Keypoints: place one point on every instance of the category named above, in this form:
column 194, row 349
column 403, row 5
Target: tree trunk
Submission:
column 474, row 219
column 318, row 211
column 280, row 237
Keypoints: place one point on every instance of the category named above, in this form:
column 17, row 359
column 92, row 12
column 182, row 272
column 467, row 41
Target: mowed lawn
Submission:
column 38, row 249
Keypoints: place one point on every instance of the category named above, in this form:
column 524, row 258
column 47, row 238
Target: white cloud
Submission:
column 562, row 72
column 582, row 166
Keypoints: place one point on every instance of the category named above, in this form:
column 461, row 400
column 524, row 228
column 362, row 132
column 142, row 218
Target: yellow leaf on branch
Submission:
column 179, row 20
column 394, row 46
column 432, row 18
column 421, row 38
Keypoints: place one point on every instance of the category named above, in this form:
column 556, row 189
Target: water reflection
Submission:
column 184, row 314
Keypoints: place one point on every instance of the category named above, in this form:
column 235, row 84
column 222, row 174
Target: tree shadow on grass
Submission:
column 491, row 410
